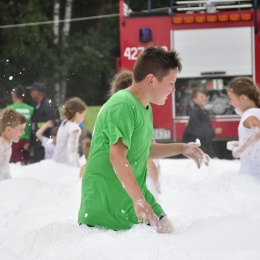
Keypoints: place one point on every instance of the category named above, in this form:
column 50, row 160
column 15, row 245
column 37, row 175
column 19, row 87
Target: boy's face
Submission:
column 162, row 89
column 201, row 99
column 14, row 133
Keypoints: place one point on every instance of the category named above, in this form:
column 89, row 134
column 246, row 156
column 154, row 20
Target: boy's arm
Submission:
column 41, row 130
column 125, row 175
column 253, row 123
column 190, row 150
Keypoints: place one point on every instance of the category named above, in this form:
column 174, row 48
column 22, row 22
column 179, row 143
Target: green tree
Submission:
column 28, row 54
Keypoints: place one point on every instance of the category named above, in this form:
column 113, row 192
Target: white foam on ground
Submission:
column 215, row 213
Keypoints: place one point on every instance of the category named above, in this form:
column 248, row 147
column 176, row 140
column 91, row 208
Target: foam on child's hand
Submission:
column 230, row 146
column 197, row 142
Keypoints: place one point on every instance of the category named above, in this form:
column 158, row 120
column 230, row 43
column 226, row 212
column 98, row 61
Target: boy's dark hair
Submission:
column 120, row 81
column 19, row 92
column 11, row 118
column 54, row 131
column 245, row 86
column 196, row 91
column 156, row 61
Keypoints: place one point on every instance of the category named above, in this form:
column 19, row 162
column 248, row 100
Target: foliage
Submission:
column 27, row 54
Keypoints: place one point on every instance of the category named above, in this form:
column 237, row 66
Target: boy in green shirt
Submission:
column 114, row 192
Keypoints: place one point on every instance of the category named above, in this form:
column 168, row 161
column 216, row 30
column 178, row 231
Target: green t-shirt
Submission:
column 27, row 111
column 104, row 201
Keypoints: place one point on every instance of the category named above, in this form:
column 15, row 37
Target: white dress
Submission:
column 5, row 154
column 66, row 149
column 49, row 147
column 250, row 158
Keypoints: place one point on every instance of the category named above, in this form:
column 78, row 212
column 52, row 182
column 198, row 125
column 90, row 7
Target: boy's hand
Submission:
column 49, row 123
column 191, row 150
column 145, row 213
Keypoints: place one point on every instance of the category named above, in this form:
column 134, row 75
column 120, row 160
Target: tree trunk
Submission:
column 100, row 11
column 66, row 26
column 56, row 18
column 65, row 33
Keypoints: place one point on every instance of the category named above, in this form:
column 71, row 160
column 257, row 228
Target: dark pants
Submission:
column 38, row 154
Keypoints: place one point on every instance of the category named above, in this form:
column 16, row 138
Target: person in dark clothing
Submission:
column 199, row 125
column 44, row 110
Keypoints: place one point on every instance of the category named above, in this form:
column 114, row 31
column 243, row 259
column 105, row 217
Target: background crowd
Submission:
column 36, row 140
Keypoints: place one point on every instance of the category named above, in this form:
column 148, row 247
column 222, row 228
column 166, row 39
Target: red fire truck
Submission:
column 217, row 40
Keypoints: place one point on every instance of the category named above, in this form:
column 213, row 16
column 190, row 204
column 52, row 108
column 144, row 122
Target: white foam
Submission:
column 214, row 212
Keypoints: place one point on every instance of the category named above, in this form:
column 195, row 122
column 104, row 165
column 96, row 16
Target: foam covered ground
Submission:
column 215, row 213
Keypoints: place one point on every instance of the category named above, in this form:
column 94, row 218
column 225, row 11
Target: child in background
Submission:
column 199, row 125
column 48, row 143
column 12, row 126
column 244, row 97
column 82, row 137
column 66, row 150
column 121, row 81
column 20, row 150
column 85, row 148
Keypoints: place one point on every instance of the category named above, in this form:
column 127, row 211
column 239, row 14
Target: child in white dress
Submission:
column 12, row 126
column 244, row 96
column 48, row 143
column 66, row 150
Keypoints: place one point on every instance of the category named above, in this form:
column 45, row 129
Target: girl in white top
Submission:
column 12, row 126
column 47, row 143
column 244, row 96
column 66, row 149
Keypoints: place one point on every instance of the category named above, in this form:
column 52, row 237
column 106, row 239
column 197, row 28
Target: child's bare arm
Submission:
column 82, row 170
column 73, row 148
column 41, row 130
column 154, row 174
column 125, row 175
column 190, row 150
column 253, row 123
